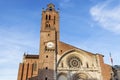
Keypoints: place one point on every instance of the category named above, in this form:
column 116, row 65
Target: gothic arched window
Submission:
column 46, row 17
column 47, row 25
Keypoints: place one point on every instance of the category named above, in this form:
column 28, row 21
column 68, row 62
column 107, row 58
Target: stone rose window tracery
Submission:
column 74, row 62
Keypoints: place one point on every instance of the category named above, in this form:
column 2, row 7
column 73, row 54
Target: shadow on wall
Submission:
column 47, row 74
column 76, row 76
column 43, row 74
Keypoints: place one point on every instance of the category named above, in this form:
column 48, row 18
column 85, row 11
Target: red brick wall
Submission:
column 105, row 69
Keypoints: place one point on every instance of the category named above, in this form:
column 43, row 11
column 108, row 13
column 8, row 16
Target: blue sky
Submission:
column 92, row 25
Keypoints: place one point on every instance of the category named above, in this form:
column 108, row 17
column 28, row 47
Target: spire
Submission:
column 111, row 59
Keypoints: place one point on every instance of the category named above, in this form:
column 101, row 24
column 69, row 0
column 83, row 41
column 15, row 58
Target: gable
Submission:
column 82, row 58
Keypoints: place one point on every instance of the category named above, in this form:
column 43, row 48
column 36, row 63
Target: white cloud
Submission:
column 107, row 15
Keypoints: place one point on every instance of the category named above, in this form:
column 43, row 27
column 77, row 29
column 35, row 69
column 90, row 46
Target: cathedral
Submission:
column 60, row 61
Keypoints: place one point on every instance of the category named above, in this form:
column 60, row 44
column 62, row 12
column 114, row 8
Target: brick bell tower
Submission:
column 49, row 38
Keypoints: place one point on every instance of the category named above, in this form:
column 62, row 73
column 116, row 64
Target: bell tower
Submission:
column 49, row 38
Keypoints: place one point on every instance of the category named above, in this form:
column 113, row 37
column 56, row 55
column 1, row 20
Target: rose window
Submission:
column 74, row 62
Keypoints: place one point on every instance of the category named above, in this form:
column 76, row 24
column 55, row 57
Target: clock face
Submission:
column 50, row 44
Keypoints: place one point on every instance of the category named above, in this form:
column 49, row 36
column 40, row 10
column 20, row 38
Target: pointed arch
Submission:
column 79, row 76
column 47, row 25
column 46, row 17
column 62, row 76
column 66, row 53
column 82, row 76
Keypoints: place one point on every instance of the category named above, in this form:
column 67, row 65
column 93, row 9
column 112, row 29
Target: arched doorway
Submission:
column 62, row 76
column 80, row 76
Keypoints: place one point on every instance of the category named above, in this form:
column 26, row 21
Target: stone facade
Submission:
column 58, row 60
